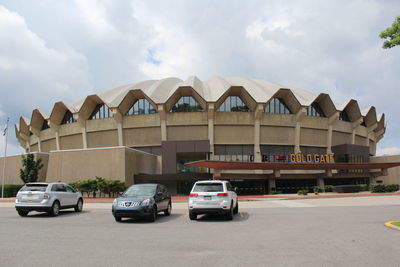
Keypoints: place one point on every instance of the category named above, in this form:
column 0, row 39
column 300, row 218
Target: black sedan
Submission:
column 142, row 201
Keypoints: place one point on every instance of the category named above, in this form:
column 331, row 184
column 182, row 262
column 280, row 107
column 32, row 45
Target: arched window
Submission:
column 45, row 125
column 186, row 104
column 233, row 104
column 276, row 106
column 68, row 118
column 315, row 110
column 343, row 116
column 141, row 106
column 100, row 112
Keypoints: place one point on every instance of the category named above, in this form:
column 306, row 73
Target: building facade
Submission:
column 149, row 131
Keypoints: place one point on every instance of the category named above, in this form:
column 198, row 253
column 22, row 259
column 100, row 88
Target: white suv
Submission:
column 213, row 197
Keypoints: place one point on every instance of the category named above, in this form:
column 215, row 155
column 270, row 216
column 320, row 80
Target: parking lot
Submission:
column 317, row 232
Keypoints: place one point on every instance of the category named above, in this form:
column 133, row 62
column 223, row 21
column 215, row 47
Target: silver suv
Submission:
column 48, row 197
column 213, row 197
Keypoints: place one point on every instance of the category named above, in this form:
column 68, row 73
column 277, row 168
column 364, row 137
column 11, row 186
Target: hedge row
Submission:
column 100, row 186
column 384, row 188
column 11, row 190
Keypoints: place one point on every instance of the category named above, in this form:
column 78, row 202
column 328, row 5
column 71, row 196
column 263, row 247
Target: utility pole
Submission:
column 4, row 159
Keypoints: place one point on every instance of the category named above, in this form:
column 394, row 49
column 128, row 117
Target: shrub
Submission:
column 382, row 188
column 11, row 190
column 317, row 189
column 364, row 187
column 274, row 192
column 302, row 192
column 329, row 188
column 101, row 185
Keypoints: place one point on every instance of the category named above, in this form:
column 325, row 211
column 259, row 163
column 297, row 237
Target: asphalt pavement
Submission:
column 307, row 232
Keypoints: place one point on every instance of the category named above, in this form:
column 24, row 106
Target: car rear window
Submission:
column 34, row 187
column 208, row 187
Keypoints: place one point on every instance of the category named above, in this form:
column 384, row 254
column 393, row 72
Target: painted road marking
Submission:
column 292, row 204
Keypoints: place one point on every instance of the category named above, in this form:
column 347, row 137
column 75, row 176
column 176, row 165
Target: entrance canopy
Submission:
column 231, row 165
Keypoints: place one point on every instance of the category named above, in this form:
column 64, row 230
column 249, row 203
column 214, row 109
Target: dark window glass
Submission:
column 68, row 118
column 187, row 104
column 34, row 187
column 208, row 187
column 277, row 106
column 101, row 112
column 233, row 104
column 45, row 125
column 315, row 110
column 343, row 116
column 141, row 106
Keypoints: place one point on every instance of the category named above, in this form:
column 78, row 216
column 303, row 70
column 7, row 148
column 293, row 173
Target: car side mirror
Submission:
column 159, row 194
column 235, row 189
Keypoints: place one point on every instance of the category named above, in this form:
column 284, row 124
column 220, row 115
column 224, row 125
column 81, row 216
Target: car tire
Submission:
column 79, row 205
column 192, row 216
column 117, row 218
column 167, row 212
column 229, row 215
column 236, row 209
column 55, row 209
column 153, row 214
column 23, row 213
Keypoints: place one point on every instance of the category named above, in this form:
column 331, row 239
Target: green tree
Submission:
column 30, row 168
column 393, row 33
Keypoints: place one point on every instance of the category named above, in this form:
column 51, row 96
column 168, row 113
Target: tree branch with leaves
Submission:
column 393, row 33
column 30, row 168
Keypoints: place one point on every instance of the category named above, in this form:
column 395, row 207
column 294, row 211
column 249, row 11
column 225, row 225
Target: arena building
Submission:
column 151, row 131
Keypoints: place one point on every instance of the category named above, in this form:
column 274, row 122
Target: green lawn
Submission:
column 396, row 223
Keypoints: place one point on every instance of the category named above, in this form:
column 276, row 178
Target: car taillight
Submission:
column 222, row 194
column 46, row 196
column 193, row 195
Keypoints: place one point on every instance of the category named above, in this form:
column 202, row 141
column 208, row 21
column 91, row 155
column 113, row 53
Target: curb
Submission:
column 391, row 225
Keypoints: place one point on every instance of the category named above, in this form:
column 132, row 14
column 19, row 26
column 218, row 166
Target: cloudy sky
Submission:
column 64, row 50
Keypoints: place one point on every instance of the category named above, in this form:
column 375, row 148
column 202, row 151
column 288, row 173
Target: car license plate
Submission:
column 207, row 197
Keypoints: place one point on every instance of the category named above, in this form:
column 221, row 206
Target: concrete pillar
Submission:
column 211, row 127
column 299, row 115
column 331, row 120
column 321, row 182
column 163, row 118
column 297, row 138
column 257, row 121
column 57, row 140
column 39, row 145
column 271, row 185
column 353, row 136
column 82, row 124
column 118, row 117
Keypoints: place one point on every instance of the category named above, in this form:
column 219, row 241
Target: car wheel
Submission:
column 192, row 216
column 117, row 219
column 23, row 213
column 229, row 215
column 236, row 209
column 55, row 209
column 153, row 215
column 79, row 205
column 167, row 212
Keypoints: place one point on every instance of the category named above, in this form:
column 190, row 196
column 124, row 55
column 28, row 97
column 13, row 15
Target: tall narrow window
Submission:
column 276, row 106
column 186, row 104
column 101, row 112
column 233, row 104
column 315, row 110
column 68, row 118
column 343, row 116
column 141, row 106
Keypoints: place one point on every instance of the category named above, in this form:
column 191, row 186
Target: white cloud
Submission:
column 388, row 151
